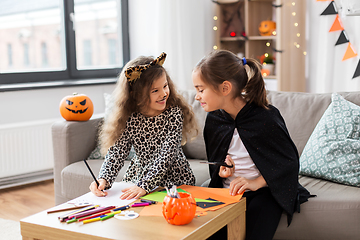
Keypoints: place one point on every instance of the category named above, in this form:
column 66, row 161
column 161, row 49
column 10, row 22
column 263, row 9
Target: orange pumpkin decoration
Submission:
column 76, row 107
column 267, row 28
column 265, row 72
column 179, row 211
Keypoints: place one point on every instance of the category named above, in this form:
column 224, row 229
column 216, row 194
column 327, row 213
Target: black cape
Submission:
column 266, row 138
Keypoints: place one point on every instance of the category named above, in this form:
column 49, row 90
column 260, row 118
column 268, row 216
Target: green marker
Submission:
column 107, row 216
column 71, row 220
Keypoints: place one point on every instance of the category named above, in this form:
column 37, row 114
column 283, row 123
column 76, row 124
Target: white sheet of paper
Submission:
column 112, row 199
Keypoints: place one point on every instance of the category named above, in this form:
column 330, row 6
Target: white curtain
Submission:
column 326, row 70
column 181, row 28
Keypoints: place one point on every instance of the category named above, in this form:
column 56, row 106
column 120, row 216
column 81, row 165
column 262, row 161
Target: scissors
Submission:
column 219, row 164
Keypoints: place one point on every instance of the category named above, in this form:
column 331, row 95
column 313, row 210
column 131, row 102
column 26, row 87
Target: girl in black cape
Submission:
column 244, row 130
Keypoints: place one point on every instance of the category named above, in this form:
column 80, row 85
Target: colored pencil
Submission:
column 92, row 174
column 66, row 216
column 90, row 212
column 94, row 215
column 66, row 209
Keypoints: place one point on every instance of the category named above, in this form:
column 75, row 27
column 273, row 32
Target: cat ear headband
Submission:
column 133, row 73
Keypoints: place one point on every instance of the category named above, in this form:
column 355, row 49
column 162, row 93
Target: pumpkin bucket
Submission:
column 179, row 211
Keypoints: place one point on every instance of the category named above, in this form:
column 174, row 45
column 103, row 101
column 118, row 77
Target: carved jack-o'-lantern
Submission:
column 77, row 107
column 179, row 211
column 267, row 28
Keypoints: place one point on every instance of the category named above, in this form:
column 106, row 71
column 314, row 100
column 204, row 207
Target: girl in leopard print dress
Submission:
column 150, row 116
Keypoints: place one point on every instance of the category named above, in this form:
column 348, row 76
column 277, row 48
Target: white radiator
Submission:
column 26, row 153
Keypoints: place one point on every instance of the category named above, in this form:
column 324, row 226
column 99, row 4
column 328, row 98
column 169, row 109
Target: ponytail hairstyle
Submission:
column 244, row 75
column 134, row 96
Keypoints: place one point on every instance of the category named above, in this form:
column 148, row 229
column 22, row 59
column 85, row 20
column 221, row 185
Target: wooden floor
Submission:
column 20, row 202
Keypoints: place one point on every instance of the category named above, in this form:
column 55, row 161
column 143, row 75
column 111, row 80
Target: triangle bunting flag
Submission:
column 337, row 25
column 331, row 9
column 342, row 38
column 350, row 52
column 357, row 71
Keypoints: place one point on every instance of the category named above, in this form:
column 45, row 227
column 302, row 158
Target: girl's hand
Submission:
column 98, row 190
column 132, row 192
column 240, row 184
column 226, row 172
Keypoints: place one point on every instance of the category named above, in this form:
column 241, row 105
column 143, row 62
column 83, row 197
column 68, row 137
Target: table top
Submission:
column 43, row 225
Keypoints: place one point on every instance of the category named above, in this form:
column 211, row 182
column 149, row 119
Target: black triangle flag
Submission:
column 331, row 9
column 342, row 38
column 357, row 71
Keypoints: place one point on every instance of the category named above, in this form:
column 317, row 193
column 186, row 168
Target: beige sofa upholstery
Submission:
column 333, row 214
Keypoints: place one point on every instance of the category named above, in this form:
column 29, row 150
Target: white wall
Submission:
column 41, row 104
column 326, row 70
column 181, row 28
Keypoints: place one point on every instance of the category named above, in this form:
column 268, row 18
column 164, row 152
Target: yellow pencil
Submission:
column 91, row 220
column 116, row 212
column 99, row 218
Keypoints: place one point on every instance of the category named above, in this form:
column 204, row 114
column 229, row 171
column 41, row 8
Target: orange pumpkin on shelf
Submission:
column 76, row 107
column 267, row 28
column 179, row 211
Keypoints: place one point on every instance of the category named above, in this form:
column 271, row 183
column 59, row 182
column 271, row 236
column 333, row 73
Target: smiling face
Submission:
column 209, row 99
column 159, row 93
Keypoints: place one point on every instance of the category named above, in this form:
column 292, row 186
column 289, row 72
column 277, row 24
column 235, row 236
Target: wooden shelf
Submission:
column 245, row 17
column 262, row 37
column 270, row 77
column 232, row 39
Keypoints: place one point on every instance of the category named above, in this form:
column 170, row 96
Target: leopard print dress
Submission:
column 159, row 160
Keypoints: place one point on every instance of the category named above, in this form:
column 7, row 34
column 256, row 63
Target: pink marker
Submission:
column 140, row 204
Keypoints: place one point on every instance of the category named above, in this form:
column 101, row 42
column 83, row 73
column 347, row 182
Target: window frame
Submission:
column 72, row 73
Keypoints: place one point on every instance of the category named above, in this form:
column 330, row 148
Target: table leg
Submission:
column 236, row 228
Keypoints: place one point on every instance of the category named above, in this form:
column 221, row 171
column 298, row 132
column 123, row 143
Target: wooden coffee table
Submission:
column 47, row 226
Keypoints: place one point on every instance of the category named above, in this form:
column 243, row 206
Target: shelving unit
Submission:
column 244, row 28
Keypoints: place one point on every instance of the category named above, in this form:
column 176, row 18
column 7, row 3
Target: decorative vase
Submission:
column 270, row 67
column 179, row 211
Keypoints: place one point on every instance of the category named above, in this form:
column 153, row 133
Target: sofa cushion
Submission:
column 333, row 149
column 195, row 148
column 333, row 214
column 302, row 111
column 76, row 178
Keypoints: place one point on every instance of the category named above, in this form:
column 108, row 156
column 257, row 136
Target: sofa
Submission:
column 333, row 214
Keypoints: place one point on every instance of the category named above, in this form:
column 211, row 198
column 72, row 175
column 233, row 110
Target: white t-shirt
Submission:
column 244, row 165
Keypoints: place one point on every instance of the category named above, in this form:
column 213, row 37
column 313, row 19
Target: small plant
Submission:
column 267, row 59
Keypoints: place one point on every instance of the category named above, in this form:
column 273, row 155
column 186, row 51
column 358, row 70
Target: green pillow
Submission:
column 333, row 149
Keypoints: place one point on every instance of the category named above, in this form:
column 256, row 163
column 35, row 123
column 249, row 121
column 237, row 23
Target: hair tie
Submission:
column 134, row 73
column 244, row 61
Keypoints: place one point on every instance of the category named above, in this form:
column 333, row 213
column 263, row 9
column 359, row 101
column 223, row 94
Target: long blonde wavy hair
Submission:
column 132, row 98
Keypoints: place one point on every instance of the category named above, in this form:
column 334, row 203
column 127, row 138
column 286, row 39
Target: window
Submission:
column 52, row 40
column 9, row 48
column 87, row 61
column 112, row 54
column 26, row 55
column 44, row 54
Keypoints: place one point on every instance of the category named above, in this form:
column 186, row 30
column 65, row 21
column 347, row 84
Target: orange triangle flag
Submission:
column 350, row 52
column 337, row 25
